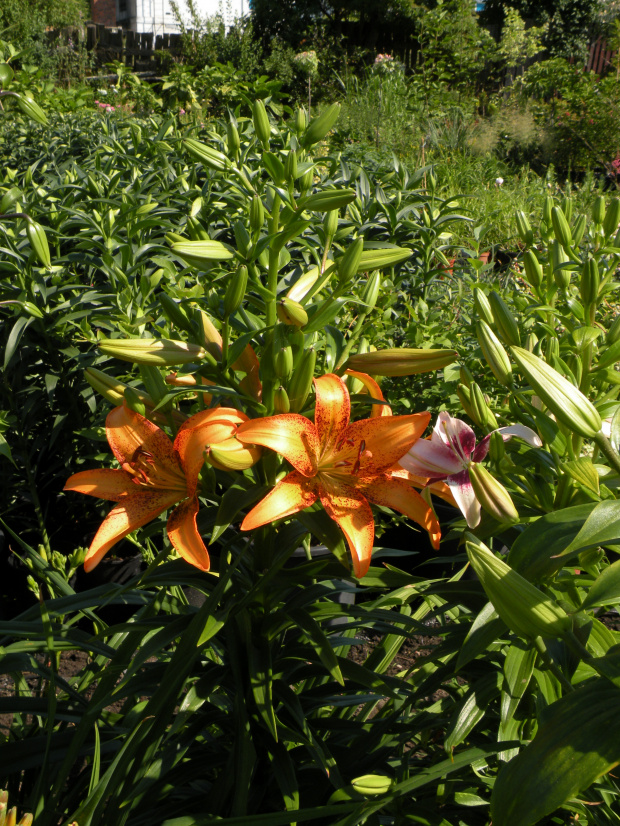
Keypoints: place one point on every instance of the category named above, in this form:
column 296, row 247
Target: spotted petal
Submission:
column 350, row 509
column 332, row 412
column 184, row 536
column 130, row 513
column 291, row 495
column 386, row 439
column 397, row 494
column 102, row 483
column 128, row 431
column 456, row 434
column 291, row 435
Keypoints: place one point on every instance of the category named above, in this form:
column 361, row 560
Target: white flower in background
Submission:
column 499, row 181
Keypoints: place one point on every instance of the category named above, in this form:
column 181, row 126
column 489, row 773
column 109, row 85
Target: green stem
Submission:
column 557, row 673
column 607, row 450
column 274, row 259
column 355, row 334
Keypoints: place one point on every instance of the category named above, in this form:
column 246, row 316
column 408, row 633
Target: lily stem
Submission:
column 557, row 673
column 607, row 450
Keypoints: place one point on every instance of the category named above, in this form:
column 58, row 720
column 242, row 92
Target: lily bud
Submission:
column 372, row 784
column 465, row 375
column 567, row 207
column 579, row 229
column 38, row 242
column 464, row 394
column 291, row 313
column 300, row 385
column 563, row 399
column 371, row 290
column 196, row 230
column 330, row 225
column 612, row 218
column 327, row 200
column 212, row 158
column 321, row 125
column 301, row 121
column 547, row 207
column 613, row 334
column 524, row 229
column 497, row 449
column 491, row 494
column 483, row 308
column 262, row 127
column 211, row 338
column 348, row 264
column 533, row 269
column 9, row 199
column 483, row 415
column 234, row 144
column 303, row 285
column 232, row 455
column 560, row 276
column 598, row 210
column 590, row 282
column 235, row 291
column 200, row 253
column 31, row 108
column 283, row 362
column 174, row 313
column 281, row 401
column 381, row 258
column 305, row 182
column 401, row 361
column 524, row 609
column 494, row 354
column 257, row 214
column 163, row 352
column 504, row 320
column 561, row 228
column 290, row 167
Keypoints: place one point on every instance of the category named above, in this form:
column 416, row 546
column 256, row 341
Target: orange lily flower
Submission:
column 155, row 474
column 346, row 465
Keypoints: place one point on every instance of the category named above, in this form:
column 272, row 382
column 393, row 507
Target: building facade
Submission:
column 156, row 16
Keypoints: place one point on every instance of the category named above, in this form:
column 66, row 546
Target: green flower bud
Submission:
column 563, row 399
column 497, row 449
column 533, row 269
column 464, row 394
column 330, row 225
column 524, row 609
column 579, row 229
column 348, row 264
column 305, row 182
column 235, row 291
column 301, row 121
column 283, row 362
column 212, row 158
column 291, row 312
column 547, row 207
column 483, row 415
column 9, row 199
column 492, row 495
column 524, row 229
column 201, row 253
column 590, row 281
column 372, row 784
column 38, row 242
column 327, row 200
column 598, row 210
column 30, row 108
column 401, row 361
column 560, row 276
column 612, row 218
column 321, row 125
column 300, row 385
column 371, row 291
column 262, row 127
column 494, row 354
column 196, row 230
column 161, row 352
column 234, row 144
column 567, row 207
column 504, row 320
column 465, row 375
column 613, row 334
column 290, row 167
column 257, row 214
column 281, row 402
column 531, row 341
column 561, row 228
column 381, row 258
column 174, row 313
column 483, row 308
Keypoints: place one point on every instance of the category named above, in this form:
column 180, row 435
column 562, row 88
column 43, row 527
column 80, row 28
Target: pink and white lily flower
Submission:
column 450, row 452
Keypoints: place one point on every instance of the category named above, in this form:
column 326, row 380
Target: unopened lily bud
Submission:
column 381, row 258
column 579, row 229
column 372, row 784
column 31, row 108
column 211, row 338
column 281, row 401
column 533, row 269
column 9, row 199
column 175, row 238
column 25, row 820
column 133, row 401
column 262, row 126
column 524, row 228
column 38, row 242
column 174, row 313
column 234, row 144
column 321, row 125
column 465, row 375
column 305, row 182
column 197, row 232
column 564, row 400
column 483, row 308
column 504, row 320
column 370, row 293
column 328, row 200
column 401, row 361
column 531, row 340
column 201, row 253
column 547, row 207
column 111, row 388
column 598, row 210
column 567, row 207
column 301, row 121
column 560, row 276
column 483, row 415
column 290, row 166
column 162, row 352
column 494, row 354
column 348, row 264
column 232, row 455
column 212, row 158
column 257, row 214
column 590, row 281
column 492, row 495
column 291, row 313
column 613, row 334
column 235, row 291
column 561, row 228
column 330, row 225
column 464, row 394
column 300, row 385
column 612, row 218
column 496, row 447
column 283, row 362
column 524, row 609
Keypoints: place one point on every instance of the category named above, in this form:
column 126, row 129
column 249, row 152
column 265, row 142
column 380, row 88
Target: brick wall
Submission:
column 104, row 11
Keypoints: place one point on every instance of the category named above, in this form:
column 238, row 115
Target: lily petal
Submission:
column 112, row 485
column 351, row 511
column 386, row 439
column 249, row 364
column 431, row 458
column 184, row 536
column 397, row 494
column 455, row 434
column 518, row 430
column 373, row 389
column 128, row 431
column 465, row 497
column 201, row 430
column 130, row 513
column 290, row 495
column 291, row 435
column 440, row 489
column 332, row 412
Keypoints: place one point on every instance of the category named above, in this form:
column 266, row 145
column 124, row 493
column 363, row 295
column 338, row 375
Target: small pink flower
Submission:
column 450, row 452
column 181, row 111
